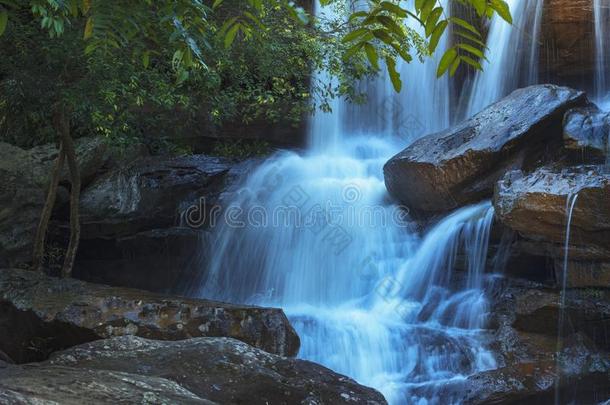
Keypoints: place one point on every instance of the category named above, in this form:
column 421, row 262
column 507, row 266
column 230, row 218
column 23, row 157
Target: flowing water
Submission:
column 601, row 14
column 513, row 55
column 570, row 204
column 316, row 234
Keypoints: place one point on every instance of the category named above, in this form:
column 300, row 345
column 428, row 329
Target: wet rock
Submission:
column 582, row 274
column 530, row 308
column 586, row 133
column 534, row 205
column 567, row 43
column 94, row 156
column 22, row 195
column 151, row 194
column 37, row 384
column 536, row 382
column 40, row 314
column 586, row 311
column 222, row 370
column 446, row 170
column 23, row 186
column 143, row 225
column 529, row 369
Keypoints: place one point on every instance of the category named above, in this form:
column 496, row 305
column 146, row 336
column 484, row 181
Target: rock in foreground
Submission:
column 222, row 370
column 40, row 314
column 458, row 166
column 44, row 384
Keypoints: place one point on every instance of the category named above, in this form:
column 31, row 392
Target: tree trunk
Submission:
column 43, row 225
column 75, row 180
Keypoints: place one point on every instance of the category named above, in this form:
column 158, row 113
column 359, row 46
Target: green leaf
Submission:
column 446, row 61
column 231, row 34
column 464, row 24
column 358, row 14
column 471, row 37
column 350, row 36
column 502, row 9
column 146, row 59
column 371, row 54
column 436, row 36
column 477, row 52
column 393, row 8
column 427, row 9
column 88, row 28
column 432, row 20
column 480, row 6
column 3, row 21
column 383, row 36
column 475, row 64
column 352, row 50
column 391, row 25
column 454, row 66
column 403, row 54
column 216, row 4
column 394, row 75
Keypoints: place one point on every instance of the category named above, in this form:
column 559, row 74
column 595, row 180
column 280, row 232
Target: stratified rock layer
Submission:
column 446, row 170
column 40, row 314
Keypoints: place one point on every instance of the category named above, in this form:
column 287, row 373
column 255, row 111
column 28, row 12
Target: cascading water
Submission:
column 513, row 55
column 601, row 14
column 570, row 204
column 316, row 235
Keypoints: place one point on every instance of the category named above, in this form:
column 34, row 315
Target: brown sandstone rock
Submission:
column 40, row 314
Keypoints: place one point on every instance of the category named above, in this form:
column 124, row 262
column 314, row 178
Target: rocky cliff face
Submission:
column 567, row 49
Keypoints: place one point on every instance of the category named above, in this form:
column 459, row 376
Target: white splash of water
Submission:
column 508, row 66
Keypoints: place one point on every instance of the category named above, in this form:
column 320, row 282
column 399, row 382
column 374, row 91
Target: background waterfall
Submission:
column 601, row 13
column 513, row 55
column 316, row 235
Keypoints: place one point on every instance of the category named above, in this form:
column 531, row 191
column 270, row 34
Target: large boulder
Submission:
column 40, row 314
column 24, row 178
column 143, row 224
column 460, row 165
column 222, row 370
column 586, row 133
column 535, row 205
column 151, row 194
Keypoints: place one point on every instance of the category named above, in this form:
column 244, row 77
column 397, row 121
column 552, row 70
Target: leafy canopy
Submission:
column 379, row 30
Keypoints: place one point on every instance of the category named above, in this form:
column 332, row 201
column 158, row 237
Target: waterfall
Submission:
column 570, row 204
column 315, row 234
column 512, row 54
column 601, row 14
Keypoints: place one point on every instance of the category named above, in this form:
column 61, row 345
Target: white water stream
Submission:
column 316, row 234
column 512, row 55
